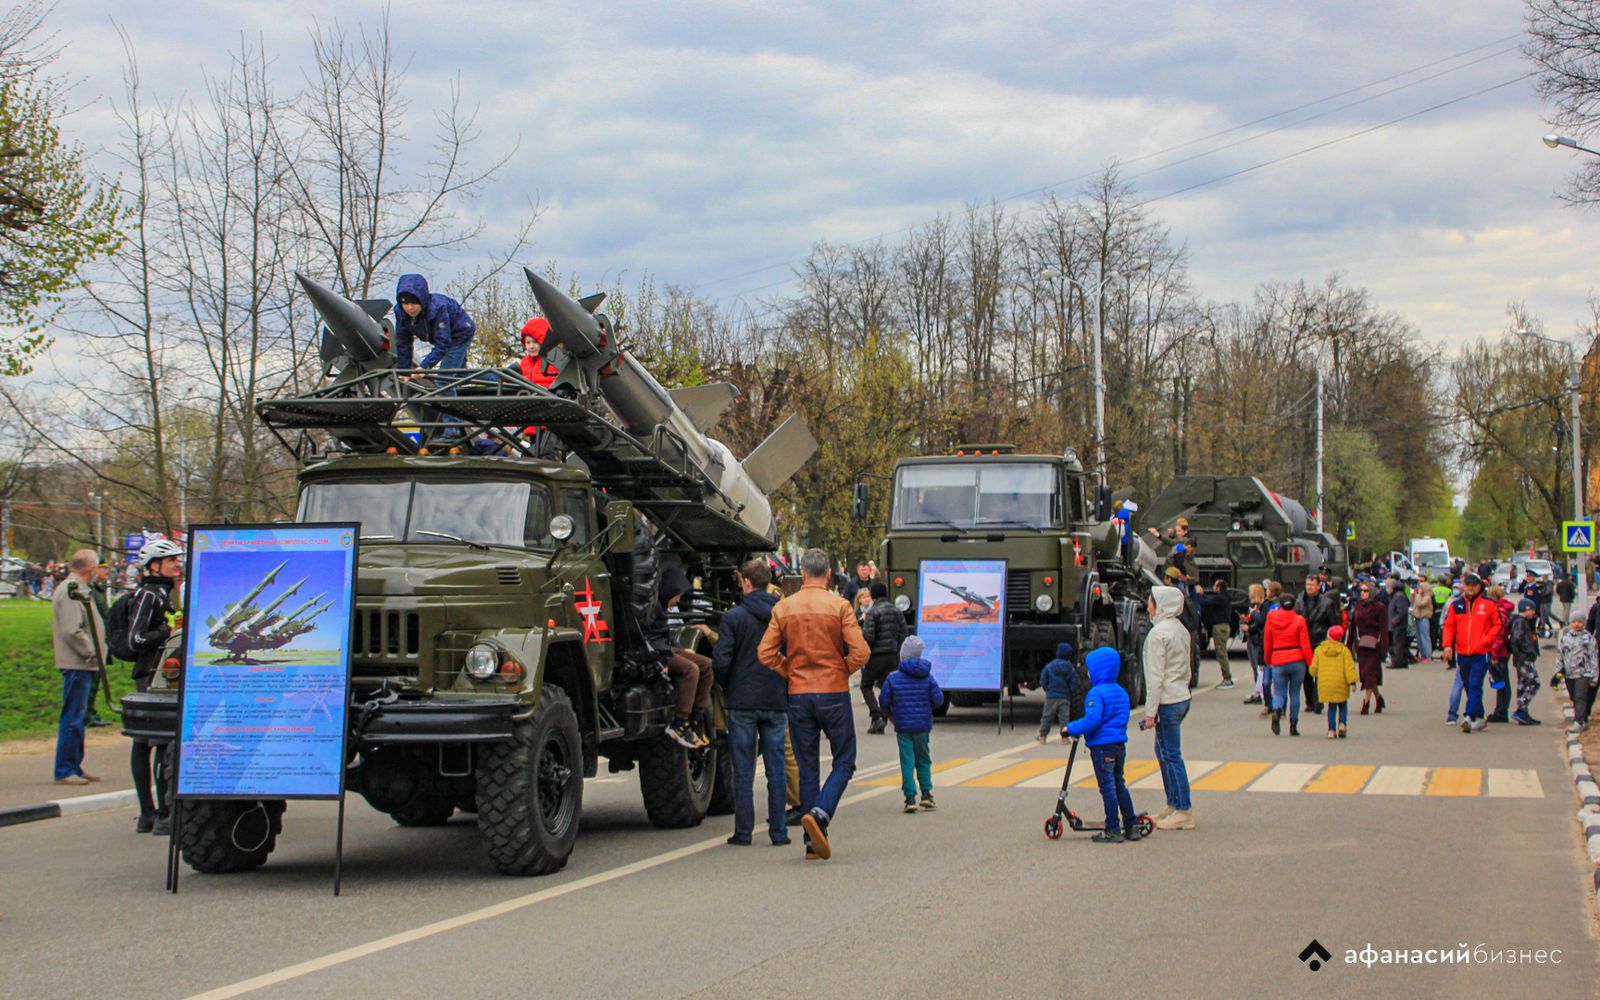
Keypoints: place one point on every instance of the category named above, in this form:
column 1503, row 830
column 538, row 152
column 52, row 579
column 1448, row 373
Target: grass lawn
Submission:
column 30, row 684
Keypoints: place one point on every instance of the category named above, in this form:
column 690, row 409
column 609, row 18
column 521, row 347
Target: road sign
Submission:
column 1350, row 532
column 1577, row 536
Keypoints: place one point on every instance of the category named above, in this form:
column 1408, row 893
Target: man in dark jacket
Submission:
column 437, row 319
column 856, row 584
column 1216, row 620
column 150, row 624
column 884, row 628
column 757, row 700
column 1320, row 614
column 1399, row 618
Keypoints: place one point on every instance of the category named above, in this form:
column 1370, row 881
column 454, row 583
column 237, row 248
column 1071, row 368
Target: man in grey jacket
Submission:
column 1166, row 677
column 80, row 635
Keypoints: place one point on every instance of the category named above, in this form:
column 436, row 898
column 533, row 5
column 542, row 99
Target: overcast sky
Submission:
column 702, row 142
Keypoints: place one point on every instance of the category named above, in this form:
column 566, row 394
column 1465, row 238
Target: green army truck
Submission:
column 1069, row 578
column 1240, row 532
column 501, row 646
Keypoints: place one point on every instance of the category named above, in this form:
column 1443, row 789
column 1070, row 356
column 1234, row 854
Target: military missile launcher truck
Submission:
column 1068, row 576
column 1241, row 532
column 499, row 651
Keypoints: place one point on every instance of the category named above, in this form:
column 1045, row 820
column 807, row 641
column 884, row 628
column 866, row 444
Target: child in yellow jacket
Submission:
column 1334, row 670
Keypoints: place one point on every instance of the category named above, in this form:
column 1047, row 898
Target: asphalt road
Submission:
column 1406, row 835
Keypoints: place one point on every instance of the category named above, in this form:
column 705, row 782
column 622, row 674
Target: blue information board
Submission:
column 961, row 616
column 266, row 676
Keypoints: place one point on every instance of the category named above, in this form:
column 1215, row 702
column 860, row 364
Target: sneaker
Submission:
column 1496, row 718
column 163, row 827
column 1466, row 725
column 1450, row 720
column 1182, row 819
column 791, row 818
column 876, row 727
column 1254, row 699
column 928, row 804
column 144, row 824
column 1132, row 834
column 1480, row 725
column 738, row 841
column 910, row 806
column 1265, row 711
column 680, row 733
column 1332, row 735
column 818, row 832
column 85, row 775
column 1041, row 739
column 1575, row 728
column 1524, row 719
column 781, row 841
column 1107, row 837
column 1275, row 719
column 1343, row 731
column 73, row 779
column 1225, row 685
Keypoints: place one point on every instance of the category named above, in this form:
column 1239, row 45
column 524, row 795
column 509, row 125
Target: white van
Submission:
column 1430, row 556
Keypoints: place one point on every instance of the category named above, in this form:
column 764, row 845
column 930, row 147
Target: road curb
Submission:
column 78, row 804
column 1588, row 797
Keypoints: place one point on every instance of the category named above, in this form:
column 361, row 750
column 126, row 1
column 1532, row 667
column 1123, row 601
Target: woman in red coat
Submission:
column 1369, row 639
column 1286, row 647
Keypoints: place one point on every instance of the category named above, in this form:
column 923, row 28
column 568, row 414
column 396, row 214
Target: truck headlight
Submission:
column 482, row 661
column 902, row 603
column 1044, row 602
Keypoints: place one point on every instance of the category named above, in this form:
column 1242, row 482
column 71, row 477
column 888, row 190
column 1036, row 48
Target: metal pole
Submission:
column 1577, row 474
column 100, row 523
column 5, row 532
column 1319, row 447
column 1099, row 385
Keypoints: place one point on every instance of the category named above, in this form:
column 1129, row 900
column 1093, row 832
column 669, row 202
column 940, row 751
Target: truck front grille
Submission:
column 1019, row 592
column 387, row 635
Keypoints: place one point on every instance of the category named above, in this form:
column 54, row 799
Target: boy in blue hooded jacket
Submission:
column 1104, row 730
column 429, row 316
column 1059, row 678
column 908, row 699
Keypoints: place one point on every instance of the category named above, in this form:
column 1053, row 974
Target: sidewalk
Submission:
column 26, row 768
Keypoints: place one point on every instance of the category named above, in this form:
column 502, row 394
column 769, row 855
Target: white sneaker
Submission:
column 1480, row 725
column 1574, row 728
column 1449, row 721
column 1182, row 819
column 1466, row 725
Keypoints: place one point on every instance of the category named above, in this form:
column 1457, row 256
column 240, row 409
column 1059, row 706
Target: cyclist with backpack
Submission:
column 140, row 625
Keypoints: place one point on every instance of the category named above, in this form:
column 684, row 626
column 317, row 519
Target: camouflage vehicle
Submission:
column 1068, row 577
column 499, row 650
column 1241, row 532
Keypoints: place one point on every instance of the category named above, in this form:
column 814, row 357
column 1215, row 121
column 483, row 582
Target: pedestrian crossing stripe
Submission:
column 1248, row 776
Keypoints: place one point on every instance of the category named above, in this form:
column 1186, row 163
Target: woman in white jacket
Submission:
column 1166, row 678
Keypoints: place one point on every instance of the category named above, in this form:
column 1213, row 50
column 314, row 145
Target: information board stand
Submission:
column 263, row 707
column 961, row 615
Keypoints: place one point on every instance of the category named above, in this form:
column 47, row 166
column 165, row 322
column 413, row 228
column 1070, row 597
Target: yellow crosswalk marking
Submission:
column 1508, row 783
column 1194, row 768
column 943, row 765
column 1018, row 772
column 1230, row 777
column 1397, row 781
column 1131, row 771
column 1341, row 779
column 1455, row 781
column 1286, row 778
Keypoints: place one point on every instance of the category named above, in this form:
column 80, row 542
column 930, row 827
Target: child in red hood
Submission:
column 537, row 370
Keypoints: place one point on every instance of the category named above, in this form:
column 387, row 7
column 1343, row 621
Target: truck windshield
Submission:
column 976, row 494
column 493, row 512
column 1434, row 559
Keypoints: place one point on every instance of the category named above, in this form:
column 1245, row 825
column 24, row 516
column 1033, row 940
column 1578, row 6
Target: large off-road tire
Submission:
column 942, row 709
column 676, row 783
column 221, row 836
column 530, row 790
column 722, row 788
column 1134, row 660
column 425, row 810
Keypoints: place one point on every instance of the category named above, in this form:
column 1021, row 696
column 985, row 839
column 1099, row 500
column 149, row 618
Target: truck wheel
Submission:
column 530, row 790
column 676, row 782
column 424, row 810
column 222, row 836
column 722, row 788
column 1101, row 633
column 1136, row 686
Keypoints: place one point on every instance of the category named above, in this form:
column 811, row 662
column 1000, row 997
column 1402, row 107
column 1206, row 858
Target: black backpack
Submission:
column 118, row 628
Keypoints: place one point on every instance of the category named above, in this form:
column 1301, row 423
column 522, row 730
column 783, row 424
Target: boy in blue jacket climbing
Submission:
column 1060, row 682
column 908, row 699
column 429, row 316
column 1104, row 730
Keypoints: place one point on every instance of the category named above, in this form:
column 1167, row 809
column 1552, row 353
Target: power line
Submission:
column 1177, row 147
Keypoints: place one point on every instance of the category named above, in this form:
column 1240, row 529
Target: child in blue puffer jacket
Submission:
column 908, row 699
column 1104, row 730
column 1059, row 678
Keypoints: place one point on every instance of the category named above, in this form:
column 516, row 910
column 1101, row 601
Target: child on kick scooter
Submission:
column 1104, row 729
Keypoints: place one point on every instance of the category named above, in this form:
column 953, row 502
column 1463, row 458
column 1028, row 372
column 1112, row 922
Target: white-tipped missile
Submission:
column 266, row 612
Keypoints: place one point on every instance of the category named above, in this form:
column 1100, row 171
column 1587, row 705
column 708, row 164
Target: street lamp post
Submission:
column 1097, row 290
column 1574, row 391
column 1557, row 141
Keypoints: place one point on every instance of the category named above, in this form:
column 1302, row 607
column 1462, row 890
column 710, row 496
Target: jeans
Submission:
column 916, row 764
column 1471, row 669
column 1499, row 670
column 811, row 716
column 1286, row 681
column 1458, row 688
column 879, row 667
column 747, row 727
column 1424, row 639
column 1264, row 684
column 1169, row 754
column 77, row 690
column 1108, row 764
column 1057, row 713
column 1341, row 710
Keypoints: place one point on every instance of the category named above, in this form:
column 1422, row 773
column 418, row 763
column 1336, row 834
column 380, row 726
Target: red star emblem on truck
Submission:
column 595, row 628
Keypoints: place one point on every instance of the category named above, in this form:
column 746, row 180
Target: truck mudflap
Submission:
column 151, row 716
column 482, row 720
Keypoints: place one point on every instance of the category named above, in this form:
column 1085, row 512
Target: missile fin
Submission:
column 592, row 303
column 781, row 454
column 704, row 404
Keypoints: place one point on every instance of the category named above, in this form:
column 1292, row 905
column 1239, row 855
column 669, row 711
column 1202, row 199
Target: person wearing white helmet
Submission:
column 150, row 623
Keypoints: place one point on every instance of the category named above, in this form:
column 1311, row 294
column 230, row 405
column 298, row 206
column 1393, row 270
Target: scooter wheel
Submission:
column 1146, row 825
column 1052, row 828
